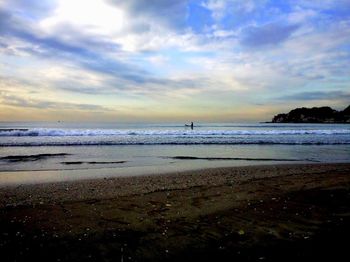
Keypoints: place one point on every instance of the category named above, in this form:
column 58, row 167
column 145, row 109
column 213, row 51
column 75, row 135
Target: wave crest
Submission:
column 111, row 132
column 116, row 143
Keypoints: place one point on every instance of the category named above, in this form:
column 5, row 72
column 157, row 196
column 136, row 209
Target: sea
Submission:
column 39, row 152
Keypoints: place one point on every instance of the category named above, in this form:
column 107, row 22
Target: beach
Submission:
column 255, row 213
column 212, row 130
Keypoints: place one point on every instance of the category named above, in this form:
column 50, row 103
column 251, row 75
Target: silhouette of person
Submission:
column 191, row 125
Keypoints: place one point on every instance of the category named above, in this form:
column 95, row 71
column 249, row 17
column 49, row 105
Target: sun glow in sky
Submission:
column 94, row 16
column 171, row 60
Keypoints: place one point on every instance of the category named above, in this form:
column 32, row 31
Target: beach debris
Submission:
column 241, row 232
column 168, row 205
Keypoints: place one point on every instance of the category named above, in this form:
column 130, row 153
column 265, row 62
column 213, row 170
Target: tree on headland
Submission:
column 323, row 114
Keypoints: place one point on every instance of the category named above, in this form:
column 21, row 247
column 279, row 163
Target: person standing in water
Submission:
column 191, row 125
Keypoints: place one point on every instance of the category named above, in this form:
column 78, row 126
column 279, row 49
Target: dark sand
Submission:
column 265, row 213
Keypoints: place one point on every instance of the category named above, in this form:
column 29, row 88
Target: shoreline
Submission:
column 103, row 187
column 273, row 213
column 13, row 178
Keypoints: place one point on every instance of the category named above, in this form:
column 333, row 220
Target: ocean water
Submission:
column 45, row 152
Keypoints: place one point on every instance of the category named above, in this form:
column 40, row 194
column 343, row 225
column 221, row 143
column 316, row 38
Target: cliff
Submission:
column 314, row 115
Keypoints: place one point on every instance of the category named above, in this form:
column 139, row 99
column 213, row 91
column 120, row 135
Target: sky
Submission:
column 171, row 60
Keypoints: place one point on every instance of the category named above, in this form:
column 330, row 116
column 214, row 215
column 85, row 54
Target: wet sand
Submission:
column 261, row 213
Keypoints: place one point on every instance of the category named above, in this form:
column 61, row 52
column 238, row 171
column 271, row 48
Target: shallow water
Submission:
column 44, row 152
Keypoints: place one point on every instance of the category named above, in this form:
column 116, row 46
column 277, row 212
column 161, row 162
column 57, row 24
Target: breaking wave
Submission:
column 111, row 132
column 214, row 142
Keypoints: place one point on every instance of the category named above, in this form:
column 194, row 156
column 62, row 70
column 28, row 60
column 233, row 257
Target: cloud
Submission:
column 17, row 101
column 51, row 47
column 217, row 8
column 318, row 95
column 68, row 44
column 267, row 35
column 139, row 51
column 220, row 9
column 325, row 4
column 144, row 14
column 35, row 8
column 300, row 15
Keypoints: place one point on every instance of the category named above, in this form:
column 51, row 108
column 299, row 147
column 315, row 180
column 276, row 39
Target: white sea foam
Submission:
column 111, row 132
column 123, row 143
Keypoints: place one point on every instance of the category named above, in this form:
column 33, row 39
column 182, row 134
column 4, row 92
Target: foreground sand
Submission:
column 265, row 213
